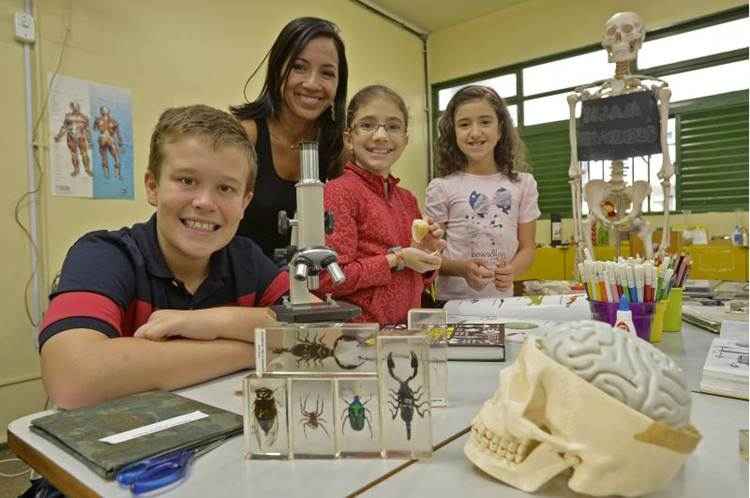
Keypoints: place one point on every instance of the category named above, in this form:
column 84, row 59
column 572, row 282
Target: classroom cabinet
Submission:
column 710, row 262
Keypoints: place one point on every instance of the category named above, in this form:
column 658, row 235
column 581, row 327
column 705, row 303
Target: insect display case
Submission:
column 359, row 415
column 327, row 391
column 265, row 417
column 316, row 347
column 312, row 415
column 404, row 374
column 433, row 323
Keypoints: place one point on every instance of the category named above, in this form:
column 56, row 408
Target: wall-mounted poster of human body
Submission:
column 91, row 139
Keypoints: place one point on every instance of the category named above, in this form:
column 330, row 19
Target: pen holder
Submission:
column 642, row 313
column 657, row 322
column 673, row 313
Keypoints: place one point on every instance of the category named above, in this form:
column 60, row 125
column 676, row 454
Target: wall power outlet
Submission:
column 25, row 28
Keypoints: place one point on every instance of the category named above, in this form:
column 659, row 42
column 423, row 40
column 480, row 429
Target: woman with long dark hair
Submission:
column 303, row 98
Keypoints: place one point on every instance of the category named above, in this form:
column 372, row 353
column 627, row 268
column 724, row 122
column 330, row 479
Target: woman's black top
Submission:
column 272, row 194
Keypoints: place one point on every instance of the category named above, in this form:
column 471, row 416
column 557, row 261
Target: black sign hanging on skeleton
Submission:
column 619, row 127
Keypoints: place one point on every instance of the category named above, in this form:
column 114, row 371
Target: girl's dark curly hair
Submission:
column 510, row 151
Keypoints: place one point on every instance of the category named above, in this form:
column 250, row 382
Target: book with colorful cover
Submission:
column 472, row 341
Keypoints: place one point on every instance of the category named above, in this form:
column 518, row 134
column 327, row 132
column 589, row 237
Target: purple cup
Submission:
column 642, row 313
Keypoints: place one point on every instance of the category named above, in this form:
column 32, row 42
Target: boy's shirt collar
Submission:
column 157, row 266
column 376, row 182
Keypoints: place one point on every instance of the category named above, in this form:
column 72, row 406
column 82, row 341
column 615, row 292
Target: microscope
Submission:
column 308, row 256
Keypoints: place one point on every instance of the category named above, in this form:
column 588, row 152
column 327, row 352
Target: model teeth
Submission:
column 197, row 225
column 511, row 450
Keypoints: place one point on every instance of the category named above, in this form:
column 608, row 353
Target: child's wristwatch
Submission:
column 396, row 251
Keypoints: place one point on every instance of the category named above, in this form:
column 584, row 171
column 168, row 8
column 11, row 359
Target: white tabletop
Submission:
column 226, row 473
column 714, row 469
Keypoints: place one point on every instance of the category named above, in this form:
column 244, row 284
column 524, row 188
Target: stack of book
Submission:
column 726, row 369
column 477, row 342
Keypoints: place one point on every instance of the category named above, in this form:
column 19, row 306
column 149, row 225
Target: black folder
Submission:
column 79, row 432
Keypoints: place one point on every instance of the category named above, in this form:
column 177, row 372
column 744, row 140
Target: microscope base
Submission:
column 316, row 312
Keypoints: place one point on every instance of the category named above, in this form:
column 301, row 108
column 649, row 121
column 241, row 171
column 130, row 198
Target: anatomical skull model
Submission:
column 589, row 398
column 623, row 36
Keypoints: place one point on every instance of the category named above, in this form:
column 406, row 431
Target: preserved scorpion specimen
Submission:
column 315, row 351
column 405, row 400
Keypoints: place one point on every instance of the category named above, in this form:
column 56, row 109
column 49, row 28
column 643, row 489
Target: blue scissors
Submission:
column 155, row 473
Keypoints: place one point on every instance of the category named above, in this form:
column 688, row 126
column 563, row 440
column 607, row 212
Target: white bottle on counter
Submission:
column 624, row 319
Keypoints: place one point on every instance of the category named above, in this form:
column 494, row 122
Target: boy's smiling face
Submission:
column 200, row 198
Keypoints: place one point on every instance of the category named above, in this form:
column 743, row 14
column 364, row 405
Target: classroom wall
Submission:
column 167, row 53
column 538, row 28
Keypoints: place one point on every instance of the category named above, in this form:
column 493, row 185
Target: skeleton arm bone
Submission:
column 667, row 170
column 574, row 172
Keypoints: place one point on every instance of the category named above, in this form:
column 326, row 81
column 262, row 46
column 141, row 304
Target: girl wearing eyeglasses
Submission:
column 386, row 270
column 487, row 208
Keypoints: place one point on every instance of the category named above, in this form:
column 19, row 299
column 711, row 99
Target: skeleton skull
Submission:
column 587, row 397
column 623, row 36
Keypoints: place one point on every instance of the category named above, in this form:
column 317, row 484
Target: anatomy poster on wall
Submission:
column 91, row 139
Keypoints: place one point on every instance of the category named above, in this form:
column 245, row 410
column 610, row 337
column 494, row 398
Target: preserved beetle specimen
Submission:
column 356, row 414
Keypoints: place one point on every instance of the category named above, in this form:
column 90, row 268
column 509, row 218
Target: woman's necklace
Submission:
column 292, row 145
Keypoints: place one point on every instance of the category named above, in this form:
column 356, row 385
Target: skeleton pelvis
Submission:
column 596, row 192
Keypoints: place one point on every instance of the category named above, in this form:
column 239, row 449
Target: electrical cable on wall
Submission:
column 21, row 202
column 422, row 35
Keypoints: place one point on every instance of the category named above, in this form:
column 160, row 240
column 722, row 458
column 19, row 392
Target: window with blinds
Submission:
column 712, row 154
column 548, row 155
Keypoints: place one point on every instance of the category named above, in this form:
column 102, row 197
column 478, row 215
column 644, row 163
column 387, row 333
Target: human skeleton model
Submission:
column 75, row 127
column 110, row 140
column 623, row 36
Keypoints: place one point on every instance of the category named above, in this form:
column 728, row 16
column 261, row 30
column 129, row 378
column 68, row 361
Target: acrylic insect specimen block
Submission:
column 359, row 417
column 316, row 347
column 265, row 413
column 403, row 369
column 433, row 323
column 312, row 418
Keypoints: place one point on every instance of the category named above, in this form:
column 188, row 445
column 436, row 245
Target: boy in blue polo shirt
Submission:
column 180, row 293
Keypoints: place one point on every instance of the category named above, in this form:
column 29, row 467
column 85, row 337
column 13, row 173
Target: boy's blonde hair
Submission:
column 220, row 129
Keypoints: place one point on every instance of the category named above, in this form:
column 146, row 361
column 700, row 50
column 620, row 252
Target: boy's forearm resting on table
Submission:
column 83, row 367
column 228, row 322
